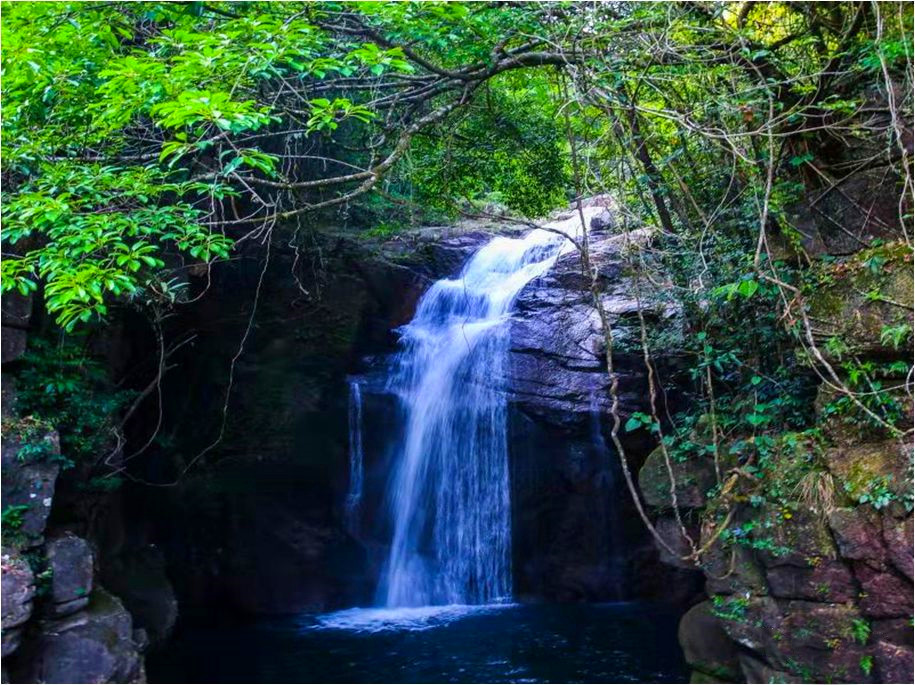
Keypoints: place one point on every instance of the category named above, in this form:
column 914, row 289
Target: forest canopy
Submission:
column 141, row 138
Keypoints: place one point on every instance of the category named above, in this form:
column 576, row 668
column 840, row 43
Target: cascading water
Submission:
column 354, row 496
column 449, row 495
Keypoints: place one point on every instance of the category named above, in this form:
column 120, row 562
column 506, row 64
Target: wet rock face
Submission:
column 576, row 533
column 255, row 525
column 557, row 368
column 264, row 540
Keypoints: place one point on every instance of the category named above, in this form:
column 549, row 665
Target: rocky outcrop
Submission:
column 576, row 533
column 77, row 631
column 809, row 596
column 706, row 647
column 557, row 365
column 61, row 627
column 819, row 589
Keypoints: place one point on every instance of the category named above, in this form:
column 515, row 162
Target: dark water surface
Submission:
column 624, row 642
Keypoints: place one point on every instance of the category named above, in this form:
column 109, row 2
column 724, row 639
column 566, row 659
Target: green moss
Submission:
column 856, row 300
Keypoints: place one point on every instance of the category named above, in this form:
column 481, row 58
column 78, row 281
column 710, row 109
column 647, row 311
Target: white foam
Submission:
column 411, row 619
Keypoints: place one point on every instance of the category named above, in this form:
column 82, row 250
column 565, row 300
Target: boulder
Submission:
column 72, row 564
column 862, row 468
column 758, row 671
column 706, row 647
column 94, row 646
column 897, row 631
column 816, row 642
column 824, row 581
column 842, row 423
column 668, row 529
column 803, row 540
column 893, row 662
column 884, row 594
column 729, row 568
column 808, row 641
column 843, row 309
column 751, row 621
column 694, row 478
column 603, row 222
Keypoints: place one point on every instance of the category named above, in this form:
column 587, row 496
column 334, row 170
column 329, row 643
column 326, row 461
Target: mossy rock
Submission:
column 809, row 641
column 817, row 643
column 798, row 537
column 879, row 474
column 856, row 299
column 694, row 478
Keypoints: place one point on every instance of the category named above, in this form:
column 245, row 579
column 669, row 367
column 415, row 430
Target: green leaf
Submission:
column 747, row 288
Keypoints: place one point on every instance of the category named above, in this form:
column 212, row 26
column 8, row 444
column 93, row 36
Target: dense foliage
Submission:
column 140, row 135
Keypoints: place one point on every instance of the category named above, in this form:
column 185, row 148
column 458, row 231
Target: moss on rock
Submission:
column 694, row 478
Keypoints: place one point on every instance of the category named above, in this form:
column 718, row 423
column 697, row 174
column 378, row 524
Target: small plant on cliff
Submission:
column 730, row 608
column 12, row 517
column 860, row 630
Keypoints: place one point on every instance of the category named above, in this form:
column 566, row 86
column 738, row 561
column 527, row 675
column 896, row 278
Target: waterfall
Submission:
column 448, row 497
column 354, row 496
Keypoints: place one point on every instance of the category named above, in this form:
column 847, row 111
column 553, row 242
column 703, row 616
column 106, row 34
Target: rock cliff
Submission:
column 821, row 591
column 59, row 624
